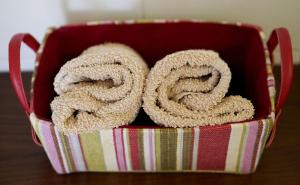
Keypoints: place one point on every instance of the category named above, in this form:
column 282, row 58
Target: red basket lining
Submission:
column 241, row 47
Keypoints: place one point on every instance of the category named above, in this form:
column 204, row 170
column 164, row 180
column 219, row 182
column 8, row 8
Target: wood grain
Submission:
column 22, row 162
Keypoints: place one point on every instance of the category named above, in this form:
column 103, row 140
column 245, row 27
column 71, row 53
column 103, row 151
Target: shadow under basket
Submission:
column 144, row 146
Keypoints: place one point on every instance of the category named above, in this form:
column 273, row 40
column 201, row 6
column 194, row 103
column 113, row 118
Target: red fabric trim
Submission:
column 213, row 146
column 134, row 148
column 240, row 46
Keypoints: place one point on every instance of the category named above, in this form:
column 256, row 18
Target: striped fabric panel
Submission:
column 49, row 142
column 66, row 151
column 158, row 149
column 241, row 148
column 267, row 127
column 257, row 140
column 234, row 148
column 270, row 79
column 246, row 142
column 249, row 146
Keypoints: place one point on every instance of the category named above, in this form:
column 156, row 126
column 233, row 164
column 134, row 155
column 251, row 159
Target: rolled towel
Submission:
column 187, row 89
column 102, row 88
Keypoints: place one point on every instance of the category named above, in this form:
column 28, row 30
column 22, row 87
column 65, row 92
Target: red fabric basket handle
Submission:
column 281, row 37
column 15, row 70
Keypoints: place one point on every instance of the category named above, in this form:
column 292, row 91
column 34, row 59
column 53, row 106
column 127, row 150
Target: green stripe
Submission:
column 164, row 149
column 141, row 148
column 172, row 148
column 67, row 152
column 187, row 148
column 157, row 149
column 168, row 140
column 92, row 150
column 269, row 126
column 241, row 147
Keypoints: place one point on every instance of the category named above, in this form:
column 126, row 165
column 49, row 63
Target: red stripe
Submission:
column 134, row 148
column 212, row 149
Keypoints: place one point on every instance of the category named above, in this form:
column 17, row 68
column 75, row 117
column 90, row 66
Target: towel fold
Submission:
column 188, row 88
column 102, row 88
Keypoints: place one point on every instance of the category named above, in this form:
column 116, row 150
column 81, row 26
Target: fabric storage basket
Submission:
column 143, row 146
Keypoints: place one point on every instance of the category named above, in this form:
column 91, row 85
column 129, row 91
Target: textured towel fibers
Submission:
column 188, row 88
column 102, row 88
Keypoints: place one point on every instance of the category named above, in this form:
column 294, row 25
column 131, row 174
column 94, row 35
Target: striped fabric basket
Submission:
column 143, row 146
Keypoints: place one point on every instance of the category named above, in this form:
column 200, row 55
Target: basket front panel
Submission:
column 232, row 148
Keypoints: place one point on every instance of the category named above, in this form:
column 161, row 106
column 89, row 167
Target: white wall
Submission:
column 34, row 16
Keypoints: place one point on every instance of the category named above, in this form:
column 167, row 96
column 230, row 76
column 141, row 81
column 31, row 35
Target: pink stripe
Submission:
column 271, row 82
column 51, row 148
column 119, row 147
column 151, row 150
column 252, row 134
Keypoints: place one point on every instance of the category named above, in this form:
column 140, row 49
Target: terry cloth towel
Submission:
column 187, row 89
column 102, row 88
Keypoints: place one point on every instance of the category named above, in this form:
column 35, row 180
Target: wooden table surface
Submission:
column 22, row 162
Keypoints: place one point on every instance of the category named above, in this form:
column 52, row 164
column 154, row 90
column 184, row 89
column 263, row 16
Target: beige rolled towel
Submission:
column 102, row 88
column 188, row 88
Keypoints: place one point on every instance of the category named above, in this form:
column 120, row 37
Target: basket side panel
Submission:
column 48, row 139
column 261, row 141
column 234, row 148
column 245, row 146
